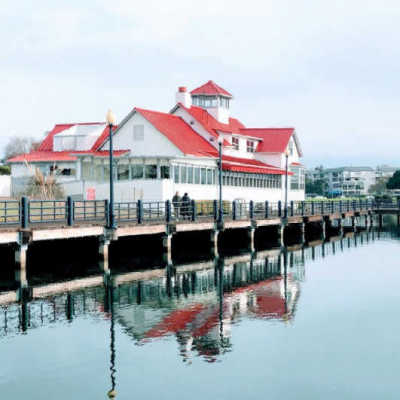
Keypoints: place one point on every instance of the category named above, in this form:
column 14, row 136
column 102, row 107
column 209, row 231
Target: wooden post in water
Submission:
column 303, row 232
column 323, row 229
column 167, row 248
column 250, row 234
column 20, row 265
column 214, row 242
column 21, row 260
column 104, row 244
column 281, row 234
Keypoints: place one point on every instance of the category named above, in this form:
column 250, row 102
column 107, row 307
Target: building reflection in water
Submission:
column 197, row 304
column 200, row 307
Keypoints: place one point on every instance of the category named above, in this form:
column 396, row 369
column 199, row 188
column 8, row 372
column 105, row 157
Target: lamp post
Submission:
column 220, row 210
column 110, row 118
column 286, row 183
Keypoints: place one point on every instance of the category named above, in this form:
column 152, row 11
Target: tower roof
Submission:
column 211, row 89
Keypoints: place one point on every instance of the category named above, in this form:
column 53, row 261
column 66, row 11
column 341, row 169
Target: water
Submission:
column 321, row 323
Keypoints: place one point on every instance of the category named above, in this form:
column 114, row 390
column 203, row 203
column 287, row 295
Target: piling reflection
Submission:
column 195, row 304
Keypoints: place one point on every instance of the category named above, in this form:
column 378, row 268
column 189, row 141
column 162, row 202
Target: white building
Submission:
column 160, row 153
column 345, row 181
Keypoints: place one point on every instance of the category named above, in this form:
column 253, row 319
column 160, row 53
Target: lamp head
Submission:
column 220, row 139
column 287, row 152
column 110, row 118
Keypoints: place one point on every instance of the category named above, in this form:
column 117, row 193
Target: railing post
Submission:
column 139, row 211
column 322, row 208
column 302, row 208
column 279, row 208
column 234, row 211
column 354, row 205
column 332, row 207
column 193, row 206
column 360, row 204
column 251, row 209
column 312, row 208
column 266, row 210
column 340, row 206
column 215, row 209
column 167, row 211
column 70, row 211
column 24, row 212
column 107, row 212
column 291, row 208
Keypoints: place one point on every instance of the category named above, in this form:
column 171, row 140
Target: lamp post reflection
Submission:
column 109, row 307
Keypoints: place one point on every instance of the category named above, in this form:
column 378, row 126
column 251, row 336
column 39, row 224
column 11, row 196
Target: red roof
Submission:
column 210, row 88
column 211, row 124
column 47, row 144
column 178, row 132
column 49, row 156
column 274, row 140
column 103, row 137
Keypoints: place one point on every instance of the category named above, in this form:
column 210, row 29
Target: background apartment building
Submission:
column 349, row 181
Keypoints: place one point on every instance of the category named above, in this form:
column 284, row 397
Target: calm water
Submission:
column 321, row 323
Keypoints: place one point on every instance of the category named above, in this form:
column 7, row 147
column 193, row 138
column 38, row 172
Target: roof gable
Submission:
column 48, row 142
column 274, row 140
column 210, row 88
column 177, row 131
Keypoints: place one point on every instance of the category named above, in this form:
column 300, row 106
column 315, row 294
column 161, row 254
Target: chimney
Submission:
column 183, row 97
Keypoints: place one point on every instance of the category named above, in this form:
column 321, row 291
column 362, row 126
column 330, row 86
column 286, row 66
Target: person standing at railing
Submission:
column 176, row 202
column 186, row 206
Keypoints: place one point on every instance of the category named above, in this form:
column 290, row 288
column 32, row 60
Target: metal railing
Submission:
column 10, row 212
column 27, row 212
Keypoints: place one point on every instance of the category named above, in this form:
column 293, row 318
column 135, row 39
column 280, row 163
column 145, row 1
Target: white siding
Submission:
column 154, row 143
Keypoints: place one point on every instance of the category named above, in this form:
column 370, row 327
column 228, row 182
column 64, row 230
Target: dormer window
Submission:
column 235, row 143
column 251, row 148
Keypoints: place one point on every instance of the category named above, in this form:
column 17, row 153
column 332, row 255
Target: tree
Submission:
column 394, row 181
column 5, row 170
column 379, row 187
column 20, row 145
column 319, row 186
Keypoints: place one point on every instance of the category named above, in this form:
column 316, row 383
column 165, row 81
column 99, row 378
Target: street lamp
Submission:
column 286, row 183
column 110, row 118
column 220, row 210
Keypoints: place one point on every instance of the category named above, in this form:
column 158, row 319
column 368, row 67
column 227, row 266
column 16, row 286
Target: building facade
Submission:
column 158, row 154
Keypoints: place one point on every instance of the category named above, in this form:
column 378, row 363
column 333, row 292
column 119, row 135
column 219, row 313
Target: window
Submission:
column 150, row 171
column 137, row 171
column 98, row 173
column 190, row 175
column 176, row 174
column 209, row 177
column 123, row 172
column 86, row 171
column 250, row 146
column 106, row 173
column 197, row 176
column 235, row 143
column 138, row 133
column 203, row 176
column 164, row 170
column 183, row 174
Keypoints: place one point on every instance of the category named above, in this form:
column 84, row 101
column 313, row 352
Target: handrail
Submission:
column 26, row 212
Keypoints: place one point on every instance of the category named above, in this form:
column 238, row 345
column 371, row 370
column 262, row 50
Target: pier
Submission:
column 25, row 222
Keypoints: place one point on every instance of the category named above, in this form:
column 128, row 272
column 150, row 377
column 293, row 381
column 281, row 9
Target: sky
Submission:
column 328, row 68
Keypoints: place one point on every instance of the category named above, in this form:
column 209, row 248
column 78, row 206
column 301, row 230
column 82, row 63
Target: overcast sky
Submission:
column 328, row 68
